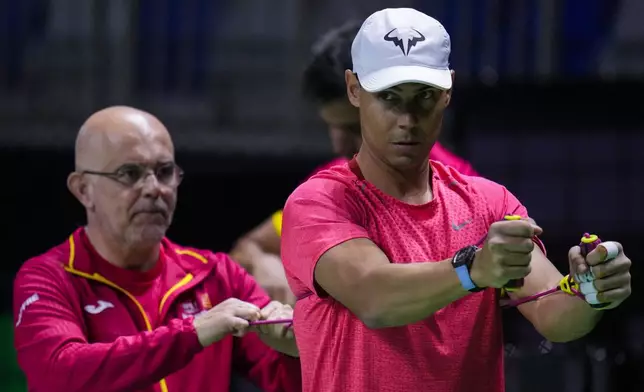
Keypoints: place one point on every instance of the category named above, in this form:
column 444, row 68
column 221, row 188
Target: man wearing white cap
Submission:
column 393, row 292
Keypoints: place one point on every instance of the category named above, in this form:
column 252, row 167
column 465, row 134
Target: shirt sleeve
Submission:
column 54, row 353
column 502, row 202
column 466, row 168
column 320, row 214
column 268, row 369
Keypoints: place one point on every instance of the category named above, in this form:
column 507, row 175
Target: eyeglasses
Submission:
column 131, row 174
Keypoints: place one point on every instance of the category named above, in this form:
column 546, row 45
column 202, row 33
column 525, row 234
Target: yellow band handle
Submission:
column 590, row 239
column 567, row 285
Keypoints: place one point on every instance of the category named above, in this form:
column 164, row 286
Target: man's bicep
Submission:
column 341, row 271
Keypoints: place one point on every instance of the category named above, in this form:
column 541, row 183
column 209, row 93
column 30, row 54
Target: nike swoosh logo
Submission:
column 460, row 226
column 102, row 305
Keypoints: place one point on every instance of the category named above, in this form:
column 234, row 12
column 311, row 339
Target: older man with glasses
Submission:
column 119, row 307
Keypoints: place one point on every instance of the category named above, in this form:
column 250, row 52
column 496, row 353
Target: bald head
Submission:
column 127, row 180
column 114, row 133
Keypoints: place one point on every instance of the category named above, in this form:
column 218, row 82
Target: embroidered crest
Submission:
column 204, row 298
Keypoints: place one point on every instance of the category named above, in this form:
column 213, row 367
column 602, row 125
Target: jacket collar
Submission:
column 81, row 260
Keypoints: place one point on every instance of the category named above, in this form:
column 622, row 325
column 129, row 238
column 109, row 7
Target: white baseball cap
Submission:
column 401, row 45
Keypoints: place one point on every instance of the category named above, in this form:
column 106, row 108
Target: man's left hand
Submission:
column 278, row 336
column 612, row 283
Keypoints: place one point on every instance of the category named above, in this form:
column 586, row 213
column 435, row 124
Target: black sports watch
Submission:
column 462, row 263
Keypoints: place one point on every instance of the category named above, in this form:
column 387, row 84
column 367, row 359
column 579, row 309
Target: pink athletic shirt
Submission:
column 458, row 349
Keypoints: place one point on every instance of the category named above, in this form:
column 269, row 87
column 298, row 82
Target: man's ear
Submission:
column 80, row 188
column 448, row 94
column 353, row 87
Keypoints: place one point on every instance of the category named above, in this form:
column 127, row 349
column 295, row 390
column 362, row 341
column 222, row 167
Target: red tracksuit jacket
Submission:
column 78, row 330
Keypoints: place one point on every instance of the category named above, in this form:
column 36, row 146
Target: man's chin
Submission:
column 149, row 235
column 407, row 162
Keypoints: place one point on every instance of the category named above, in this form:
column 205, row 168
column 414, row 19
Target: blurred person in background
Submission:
column 120, row 307
column 323, row 83
column 383, row 252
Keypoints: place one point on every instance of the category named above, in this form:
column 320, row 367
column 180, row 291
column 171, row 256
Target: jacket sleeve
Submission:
column 268, row 369
column 55, row 355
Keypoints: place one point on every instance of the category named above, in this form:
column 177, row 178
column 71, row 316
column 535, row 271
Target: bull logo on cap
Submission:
column 405, row 39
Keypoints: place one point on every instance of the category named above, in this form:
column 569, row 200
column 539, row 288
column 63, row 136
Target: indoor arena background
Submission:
column 548, row 101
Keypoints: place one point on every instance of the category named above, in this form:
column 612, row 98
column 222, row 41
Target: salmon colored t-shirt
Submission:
column 457, row 349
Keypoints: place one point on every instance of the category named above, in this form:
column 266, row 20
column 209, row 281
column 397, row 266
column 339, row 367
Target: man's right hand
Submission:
column 506, row 254
column 232, row 316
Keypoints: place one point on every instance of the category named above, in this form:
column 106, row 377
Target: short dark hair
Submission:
column 323, row 78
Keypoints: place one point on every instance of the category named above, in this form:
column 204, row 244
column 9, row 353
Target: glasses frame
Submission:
column 115, row 175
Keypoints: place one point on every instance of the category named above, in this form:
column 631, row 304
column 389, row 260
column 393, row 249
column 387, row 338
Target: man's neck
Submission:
column 410, row 185
column 141, row 258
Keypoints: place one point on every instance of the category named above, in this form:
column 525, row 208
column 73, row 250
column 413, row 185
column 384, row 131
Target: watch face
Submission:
column 460, row 258
column 464, row 255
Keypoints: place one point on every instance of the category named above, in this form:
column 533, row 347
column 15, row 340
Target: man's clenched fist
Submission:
column 231, row 316
column 608, row 277
column 506, row 254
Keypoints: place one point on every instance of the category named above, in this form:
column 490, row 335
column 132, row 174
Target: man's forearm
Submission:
column 246, row 252
column 284, row 346
column 563, row 318
column 136, row 361
column 558, row 317
column 254, row 246
column 406, row 293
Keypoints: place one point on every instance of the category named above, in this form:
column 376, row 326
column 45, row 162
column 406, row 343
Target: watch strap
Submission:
column 463, row 274
column 462, row 263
